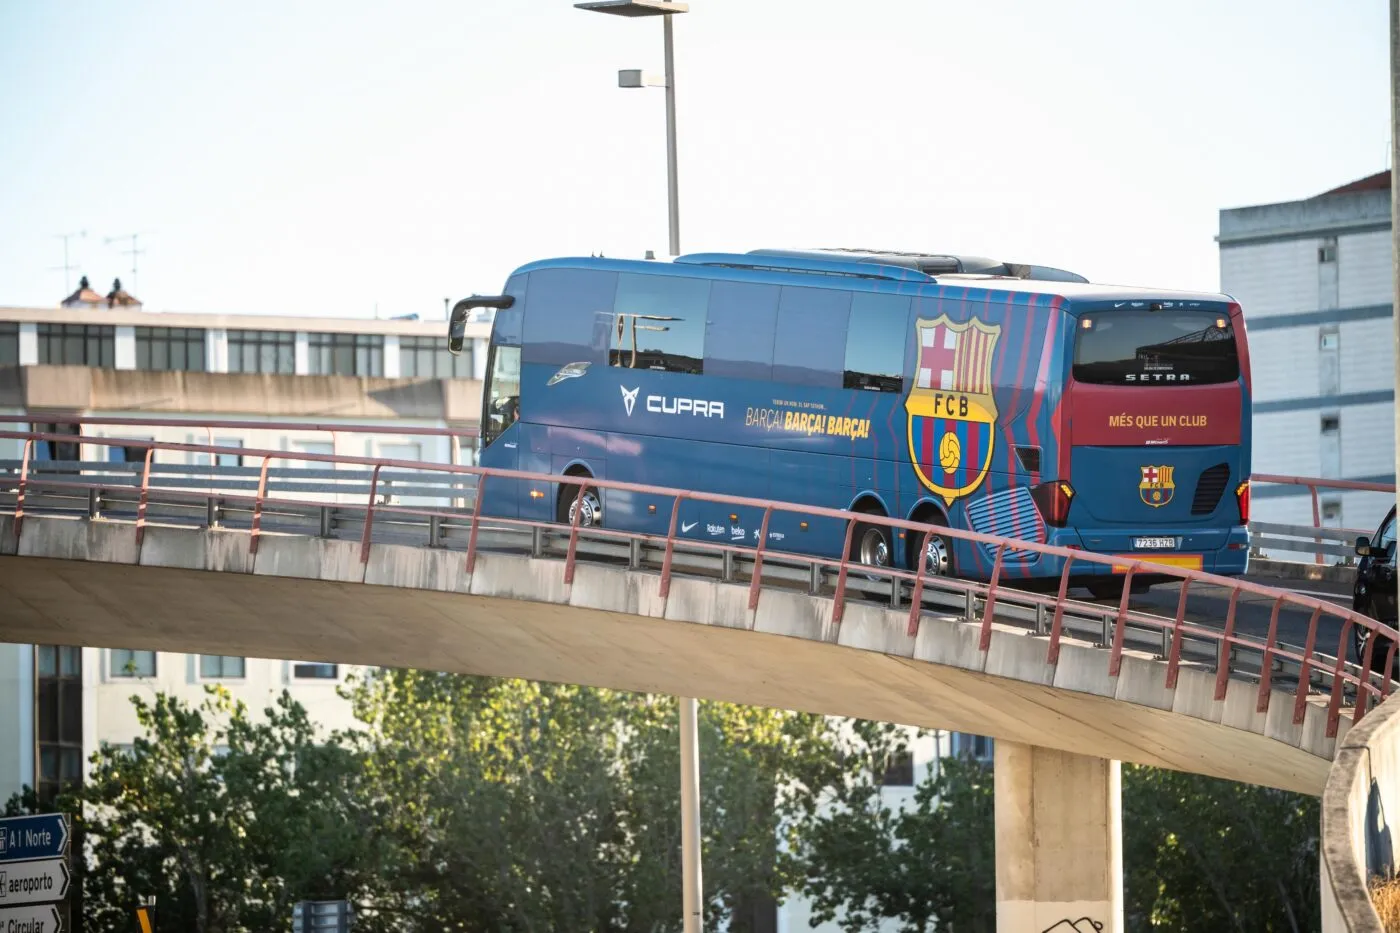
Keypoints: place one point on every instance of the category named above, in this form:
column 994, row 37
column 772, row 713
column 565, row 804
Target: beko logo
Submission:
column 666, row 405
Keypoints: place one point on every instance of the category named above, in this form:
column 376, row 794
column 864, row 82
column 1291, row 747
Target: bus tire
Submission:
column 938, row 557
column 870, row 546
column 592, row 515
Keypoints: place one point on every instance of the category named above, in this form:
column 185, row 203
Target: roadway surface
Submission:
column 1210, row 604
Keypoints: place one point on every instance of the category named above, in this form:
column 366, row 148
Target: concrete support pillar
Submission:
column 1059, row 841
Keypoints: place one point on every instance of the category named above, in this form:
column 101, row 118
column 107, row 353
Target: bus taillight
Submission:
column 1242, row 497
column 1053, row 501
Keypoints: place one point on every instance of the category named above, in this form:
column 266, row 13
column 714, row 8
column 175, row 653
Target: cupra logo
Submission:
column 629, row 398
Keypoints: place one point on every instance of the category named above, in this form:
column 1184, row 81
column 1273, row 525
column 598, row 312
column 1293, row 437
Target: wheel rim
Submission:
column 874, row 550
column 936, row 558
column 592, row 510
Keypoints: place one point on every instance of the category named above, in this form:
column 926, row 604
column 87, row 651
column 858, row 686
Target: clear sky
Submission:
column 328, row 156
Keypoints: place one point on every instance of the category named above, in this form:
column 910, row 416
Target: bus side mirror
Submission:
column 1363, row 547
column 457, row 331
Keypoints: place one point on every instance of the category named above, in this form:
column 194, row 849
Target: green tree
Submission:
column 226, row 820
column 928, row 863
column 1203, row 853
column 525, row 806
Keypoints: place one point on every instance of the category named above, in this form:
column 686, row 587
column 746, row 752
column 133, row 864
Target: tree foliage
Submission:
column 504, row 806
column 925, row 861
column 1203, row 853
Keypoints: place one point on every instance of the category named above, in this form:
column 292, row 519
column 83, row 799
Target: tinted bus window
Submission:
column 875, row 346
column 1155, row 348
column 659, row 323
column 809, row 347
column 566, row 315
column 743, row 318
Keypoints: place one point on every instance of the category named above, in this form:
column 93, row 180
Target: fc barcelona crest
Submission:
column 952, row 415
column 1157, row 487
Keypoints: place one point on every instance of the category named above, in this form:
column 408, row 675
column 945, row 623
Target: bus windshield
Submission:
column 1155, row 348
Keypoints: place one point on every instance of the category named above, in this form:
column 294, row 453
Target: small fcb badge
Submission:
column 1156, row 487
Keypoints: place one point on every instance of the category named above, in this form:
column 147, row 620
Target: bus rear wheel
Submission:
column 938, row 556
column 569, row 503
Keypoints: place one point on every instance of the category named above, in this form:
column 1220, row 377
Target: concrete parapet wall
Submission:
column 1359, row 803
column 73, row 581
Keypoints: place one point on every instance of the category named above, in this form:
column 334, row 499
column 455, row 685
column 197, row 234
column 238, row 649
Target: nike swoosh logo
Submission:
column 686, row 528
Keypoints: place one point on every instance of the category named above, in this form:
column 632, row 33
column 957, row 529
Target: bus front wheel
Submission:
column 871, row 544
column 938, row 556
column 570, row 502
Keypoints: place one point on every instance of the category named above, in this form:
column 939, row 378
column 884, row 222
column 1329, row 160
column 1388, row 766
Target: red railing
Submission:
column 1226, row 638
column 1313, row 484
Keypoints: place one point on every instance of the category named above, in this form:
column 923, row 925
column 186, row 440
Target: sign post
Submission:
column 35, row 874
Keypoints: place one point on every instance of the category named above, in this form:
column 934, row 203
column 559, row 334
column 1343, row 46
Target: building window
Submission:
column 1327, row 250
column 59, row 683
column 1331, row 424
column 170, row 348
column 9, row 344
column 314, row 670
column 127, row 663
column 899, row 770
column 347, row 354
column 972, row 746
column 78, row 345
column 262, row 351
column 222, row 667
column 427, row 358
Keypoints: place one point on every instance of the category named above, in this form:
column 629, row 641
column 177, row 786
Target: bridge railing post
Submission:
column 1052, row 653
column 476, row 523
column 258, row 507
column 1222, row 663
column 1266, row 666
column 838, row 608
column 985, row 641
column 1300, row 698
column 23, row 484
column 369, row 514
column 1120, row 624
column 1334, row 703
column 758, row 559
column 670, row 546
column 145, row 495
column 1174, row 656
column 916, row 601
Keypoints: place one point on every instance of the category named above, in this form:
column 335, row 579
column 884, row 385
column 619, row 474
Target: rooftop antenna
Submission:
column 66, row 267
column 134, row 252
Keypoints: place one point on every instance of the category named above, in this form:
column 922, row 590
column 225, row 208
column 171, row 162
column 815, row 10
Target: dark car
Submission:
column 1374, row 591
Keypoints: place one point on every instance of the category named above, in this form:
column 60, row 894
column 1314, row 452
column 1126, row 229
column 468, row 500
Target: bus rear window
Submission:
column 1155, row 348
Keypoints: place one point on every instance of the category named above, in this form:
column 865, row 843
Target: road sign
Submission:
column 33, row 882
column 31, row 837
column 36, row 918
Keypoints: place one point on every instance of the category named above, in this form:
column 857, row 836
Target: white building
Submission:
column 1314, row 280
column 96, row 356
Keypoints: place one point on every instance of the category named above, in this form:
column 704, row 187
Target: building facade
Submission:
column 100, row 356
column 1314, row 279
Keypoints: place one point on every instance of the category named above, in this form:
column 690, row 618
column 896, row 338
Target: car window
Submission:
column 1385, row 539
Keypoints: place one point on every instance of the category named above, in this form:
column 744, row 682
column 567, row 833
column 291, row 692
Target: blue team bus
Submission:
column 954, row 391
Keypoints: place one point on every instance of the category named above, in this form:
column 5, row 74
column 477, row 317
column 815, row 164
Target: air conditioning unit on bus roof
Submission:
column 929, row 263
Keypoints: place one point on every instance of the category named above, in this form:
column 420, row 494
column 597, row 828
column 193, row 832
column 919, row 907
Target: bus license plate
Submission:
column 1154, row 544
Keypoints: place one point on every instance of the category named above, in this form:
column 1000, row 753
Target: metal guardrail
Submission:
column 1316, row 539
column 286, row 500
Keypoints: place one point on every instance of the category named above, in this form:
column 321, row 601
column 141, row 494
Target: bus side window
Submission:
column 739, row 339
column 659, row 323
column 561, row 308
column 876, row 342
column 804, row 351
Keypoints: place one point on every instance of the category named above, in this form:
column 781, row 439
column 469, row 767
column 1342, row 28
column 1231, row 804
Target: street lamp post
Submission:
column 693, row 919
column 666, row 9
